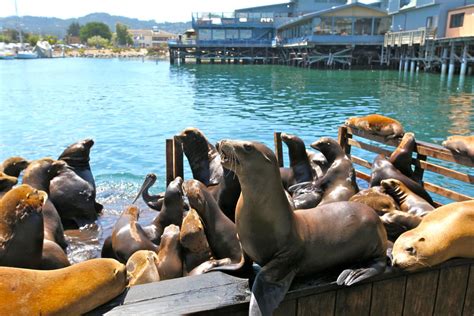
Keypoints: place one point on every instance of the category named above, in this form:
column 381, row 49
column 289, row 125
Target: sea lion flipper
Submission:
column 351, row 276
column 268, row 290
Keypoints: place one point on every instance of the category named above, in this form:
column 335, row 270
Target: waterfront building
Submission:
column 150, row 38
column 460, row 22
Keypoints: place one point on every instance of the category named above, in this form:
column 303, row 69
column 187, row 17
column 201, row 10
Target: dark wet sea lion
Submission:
column 220, row 231
column 445, row 233
column 38, row 175
column 74, row 290
column 377, row 124
column 205, row 164
column 170, row 264
column 318, row 162
column 73, row 197
column 171, row 211
column 6, row 183
column 77, row 156
column 152, row 201
column 383, row 169
column 397, row 222
column 128, row 236
column 376, row 198
column 13, row 166
column 142, row 268
column 300, row 168
column 53, row 256
column 409, row 202
column 401, row 157
column 192, row 237
column 289, row 243
column 463, row 145
column 21, row 227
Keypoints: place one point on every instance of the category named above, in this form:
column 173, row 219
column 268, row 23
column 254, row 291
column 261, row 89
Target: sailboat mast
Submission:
column 19, row 26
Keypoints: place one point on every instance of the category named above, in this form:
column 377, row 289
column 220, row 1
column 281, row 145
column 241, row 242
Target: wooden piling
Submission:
column 278, row 148
column 169, row 161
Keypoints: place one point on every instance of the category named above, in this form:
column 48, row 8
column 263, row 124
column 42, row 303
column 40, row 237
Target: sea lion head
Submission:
column 295, row 145
column 194, row 191
column 174, row 191
column 329, row 147
column 14, row 165
column 142, row 268
column 77, row 153
column 57, row 167
column 411, row 251
column 192, row 139
column 246, row 157
column 7, row 182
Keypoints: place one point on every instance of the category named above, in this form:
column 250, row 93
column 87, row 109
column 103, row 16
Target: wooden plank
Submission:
column 344, row 139
column 420, row 293
column 446, row 192
column 369, row 147
column 447, row 172
column 169, row 161
column 469, row 297
column 354, row 300
column 442, row 153
column 178, row 169
column 361, row 162
column 317, row 305
column 451, row 290
column 376, row 138
column 388, row 297
column 362, row 175
column 278, row 148
column 286, row 308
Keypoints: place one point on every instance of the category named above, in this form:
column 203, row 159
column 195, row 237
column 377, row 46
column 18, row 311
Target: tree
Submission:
column 123, row 37
column 74, row 29
column 10, row 36
column 51, row 39
column 95, row 29
column 32, row 39
column 97, row 41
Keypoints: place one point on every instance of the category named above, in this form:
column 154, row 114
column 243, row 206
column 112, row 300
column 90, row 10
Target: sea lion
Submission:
column 401, row 157
column 300, row 168
column 445, row 233
column 21, row 227
column 6, row 183
column 73, row 197
column 77, row 158
column 142, row 268
column 171, row 211
column 204, row 161
column 37, row 175
column 53, row 256
column 193, row 239
column 397, row 222
column 13, row 166
column 74, row 290
column 128, row 236
column 220, row 231
column 463, row 145
column 154, row 202
column 376, row 198
column 169, row 262
column 338, row 183
column 383, row 169
column 289, row 243
column 377, row 124
column 409, row 202
column 318, row 162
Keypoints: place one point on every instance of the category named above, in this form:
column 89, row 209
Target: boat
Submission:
column 5, row 55
column 26, row 55
column 43, row 49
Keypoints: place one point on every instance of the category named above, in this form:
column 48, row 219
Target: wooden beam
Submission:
column 278, row 148
column 169, row 161
column 177, row 159
column 343, row 138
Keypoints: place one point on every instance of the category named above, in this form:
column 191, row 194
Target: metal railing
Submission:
column 413, row 37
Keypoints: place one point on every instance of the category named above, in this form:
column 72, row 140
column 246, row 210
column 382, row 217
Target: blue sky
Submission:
column 161, row 11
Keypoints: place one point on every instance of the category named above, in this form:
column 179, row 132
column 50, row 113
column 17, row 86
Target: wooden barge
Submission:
column 446, row 289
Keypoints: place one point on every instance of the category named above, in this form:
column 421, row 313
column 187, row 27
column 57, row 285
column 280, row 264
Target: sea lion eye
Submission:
column 421, row 239
column 411, row 250
column 248, row 148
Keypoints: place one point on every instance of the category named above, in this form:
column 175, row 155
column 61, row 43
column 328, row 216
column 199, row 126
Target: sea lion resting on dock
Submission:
column 377, row 124
column 377, row 198
column 289, row 243
column 463, row 145
column 445, row 233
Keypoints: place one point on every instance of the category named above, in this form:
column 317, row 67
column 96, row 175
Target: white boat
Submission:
column 6, row 55
column 26, row 55
column 43, row 49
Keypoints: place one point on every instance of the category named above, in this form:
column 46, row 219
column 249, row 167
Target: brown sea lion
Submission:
column 73, row 197
column 127, row 236
column 288, row 243
column 463, row 145
column 300, row 168
column 152, row 201
column 77, row 157
column 53, row 256
column 6, row 183
column 220, row 231
column 445, row 233
column 38, row 175
column 383, row 169
column 377, row 124
column 13, row 166
column 401, row 157
column 171, row 211
column 142, row 268
column 21, row 227
column 193, row 239
column 169, row 263
column 376, row 198
column 318, row 162
column 409, row 202
column 204, row 161
column 74, row 290
column 397, row 222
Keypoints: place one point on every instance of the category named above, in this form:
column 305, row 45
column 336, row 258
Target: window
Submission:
column 204, row 34
column 232, row 34
column 457, row 20
column 245, row 34
column 381, row 25
column 218, row 34
column 322, row 26
column 429, row 22
column 343, row 26
column 363, row 26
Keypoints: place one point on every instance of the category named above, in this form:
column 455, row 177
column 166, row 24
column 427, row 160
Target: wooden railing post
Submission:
column 343, row 139
column 177, row 159
column 419, row 171
column 169, row 161
column 278, row 148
